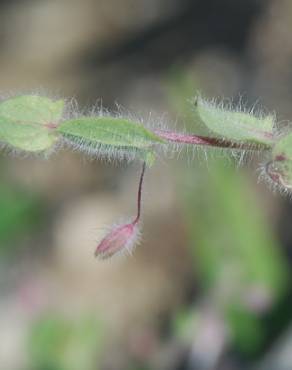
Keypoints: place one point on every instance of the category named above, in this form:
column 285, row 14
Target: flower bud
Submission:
column 119, row 240
column 279, row 169
column 280, row 172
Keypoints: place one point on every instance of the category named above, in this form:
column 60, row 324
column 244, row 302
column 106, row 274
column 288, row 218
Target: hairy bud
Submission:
column 119, row 240
column 279, row 169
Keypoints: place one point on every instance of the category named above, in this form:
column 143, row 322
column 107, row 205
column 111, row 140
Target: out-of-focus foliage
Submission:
column 236, row 256
column 59, row 343
column 20, row 212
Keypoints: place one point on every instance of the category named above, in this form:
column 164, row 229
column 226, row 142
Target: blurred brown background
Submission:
column 209, row 287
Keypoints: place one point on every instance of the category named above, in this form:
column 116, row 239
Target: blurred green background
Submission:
column 210, row 285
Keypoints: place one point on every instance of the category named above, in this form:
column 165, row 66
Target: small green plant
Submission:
column 37, row 124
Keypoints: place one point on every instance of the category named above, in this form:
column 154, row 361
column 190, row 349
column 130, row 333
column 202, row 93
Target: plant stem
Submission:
column 208, row 141
column 139, row 198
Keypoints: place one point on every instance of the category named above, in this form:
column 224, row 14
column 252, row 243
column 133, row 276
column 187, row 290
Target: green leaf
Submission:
column 235, row 125
column 111, row 137
column 280, row 168
column 25, row 122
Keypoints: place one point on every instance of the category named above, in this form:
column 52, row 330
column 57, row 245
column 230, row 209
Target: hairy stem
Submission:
column 207, row 141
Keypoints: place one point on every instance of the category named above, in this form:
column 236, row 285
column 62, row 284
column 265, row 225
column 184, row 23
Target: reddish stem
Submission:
column 207, row 141
column 140, row 195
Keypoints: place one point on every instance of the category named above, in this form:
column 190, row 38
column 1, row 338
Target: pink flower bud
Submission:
column 120, row 239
